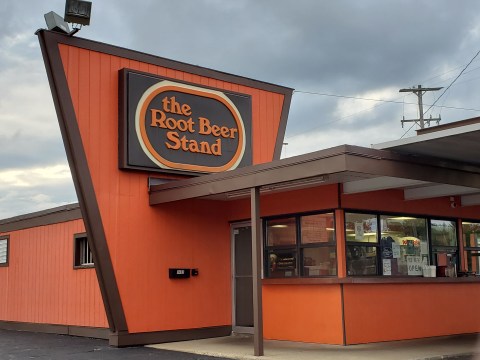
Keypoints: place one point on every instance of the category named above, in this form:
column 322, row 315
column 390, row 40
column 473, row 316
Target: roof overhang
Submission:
column 342, row 164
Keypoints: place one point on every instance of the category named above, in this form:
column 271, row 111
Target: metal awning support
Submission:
column 256, row 272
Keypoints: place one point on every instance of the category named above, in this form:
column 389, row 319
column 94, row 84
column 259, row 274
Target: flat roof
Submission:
column 40, row 218
column 340, row 164
column 458, row 141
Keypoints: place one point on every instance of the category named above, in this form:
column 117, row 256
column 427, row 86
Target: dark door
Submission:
column 242, row 279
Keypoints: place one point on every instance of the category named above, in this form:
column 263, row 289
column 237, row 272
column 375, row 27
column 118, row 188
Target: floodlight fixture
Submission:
column 56, row 23
column 78, row 12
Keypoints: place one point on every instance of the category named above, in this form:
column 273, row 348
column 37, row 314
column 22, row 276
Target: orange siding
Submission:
column 145, row 241
column 93, row 83
column 384, row 312
column 307, row 313
column 304, row 200
column 393, row 201
column 341, row 244
column 41, row 285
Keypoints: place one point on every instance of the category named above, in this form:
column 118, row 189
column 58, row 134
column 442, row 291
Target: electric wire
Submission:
column 378, row 100
column 394, row 101
column 446, row 89
column 381, row 101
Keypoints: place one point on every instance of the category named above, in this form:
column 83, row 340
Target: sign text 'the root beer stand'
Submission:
column 169, row 126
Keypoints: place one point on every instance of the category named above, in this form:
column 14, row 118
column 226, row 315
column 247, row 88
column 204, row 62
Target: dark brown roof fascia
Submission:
column 163, row 62
column 309, row 166
column 41, row 218
column 452, row 125
column 405, row 167
column 192, row 69
column 346, row 158
column 282, row 126
column 49, row 43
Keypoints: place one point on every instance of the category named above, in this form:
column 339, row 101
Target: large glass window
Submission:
column 404, row 245
column 444, row 246
column 471, row 246
column 282, row 247
column 362, row 243
column 395, row 245
column 302, row 245
column 317, row 245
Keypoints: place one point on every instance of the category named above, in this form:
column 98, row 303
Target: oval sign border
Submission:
column 159, row 160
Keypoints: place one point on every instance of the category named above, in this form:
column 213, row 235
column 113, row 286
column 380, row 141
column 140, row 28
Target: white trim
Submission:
column 379, row 183
column 427, row 192
column 429, row 136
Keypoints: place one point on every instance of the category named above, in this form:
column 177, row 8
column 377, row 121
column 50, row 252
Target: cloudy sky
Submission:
column 346, row 59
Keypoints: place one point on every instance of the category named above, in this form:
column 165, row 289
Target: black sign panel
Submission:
column 170, row 126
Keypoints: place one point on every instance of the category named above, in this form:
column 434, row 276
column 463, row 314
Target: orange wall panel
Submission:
column 304, row 200
column 41, row 285
column 385, row 312
column 393, row 201
column 145, row 241
column 187, row 235
column 306, row 313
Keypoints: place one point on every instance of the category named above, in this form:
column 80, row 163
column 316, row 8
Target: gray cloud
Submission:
column 357, row 48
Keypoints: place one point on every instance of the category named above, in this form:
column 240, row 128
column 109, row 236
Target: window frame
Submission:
column 362, row 244
column 432, row 260
column 77, row 238
column 298, row 247
column 7, row 238
column 462, row 256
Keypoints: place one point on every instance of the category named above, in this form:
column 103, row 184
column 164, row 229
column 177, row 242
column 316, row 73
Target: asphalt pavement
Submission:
column 20, row 345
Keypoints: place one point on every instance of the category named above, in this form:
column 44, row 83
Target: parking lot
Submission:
column 20, row 345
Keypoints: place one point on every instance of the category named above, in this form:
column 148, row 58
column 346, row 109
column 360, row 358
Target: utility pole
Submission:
column 419, row 91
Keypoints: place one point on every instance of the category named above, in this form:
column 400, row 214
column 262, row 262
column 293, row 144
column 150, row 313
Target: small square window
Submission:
column 4, row 244
column 83, row 255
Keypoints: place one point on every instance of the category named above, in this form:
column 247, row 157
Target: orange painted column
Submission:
column 462, row 265
column 340, row 235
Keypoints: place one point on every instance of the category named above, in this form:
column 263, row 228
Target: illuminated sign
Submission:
column 171, row 126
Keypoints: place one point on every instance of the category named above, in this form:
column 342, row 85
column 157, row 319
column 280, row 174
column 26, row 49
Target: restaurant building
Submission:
column 196, row 228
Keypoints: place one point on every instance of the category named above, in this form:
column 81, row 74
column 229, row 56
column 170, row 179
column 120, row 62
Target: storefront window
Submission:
column 404, row 245
column 361, row 228
column 282, row 263
column 362, row 242
column 397, row 245
column 319, row 228
column 318, row 245
column 471, row 244
column 362, row 260
column 282, row 232
column 444, row 233
column 444, row 246
column 301, row 246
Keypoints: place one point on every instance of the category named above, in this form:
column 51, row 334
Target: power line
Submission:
column 446, row 89
column 389, row 101
column 378, row 100
column 381, row 101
